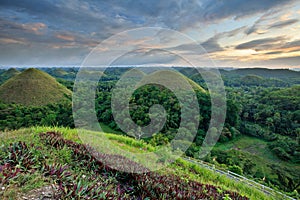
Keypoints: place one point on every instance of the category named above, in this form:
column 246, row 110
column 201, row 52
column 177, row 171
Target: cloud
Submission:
column 233, row 32
column 262, row 22
column 291, row 61
column 275, row 45
column 262, row 44
column 252, row 29
column 238, row 8
column 212, row 45
column 44, row 29
column 255, row 28
column 40, row 55
column 283, row 24
column 109, row 16
column 36, row 28
column 294, row 60
column 273, row 52
column 292, row 44
column 11, row 27
column 105, row 18
column 66, row 37
column 146, row 57
column 209, row 46
column 38, row 33
column 11, row 41
column 181, row 14
column 286, row 47
column 73, row 16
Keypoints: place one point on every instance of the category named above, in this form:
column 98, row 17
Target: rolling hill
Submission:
column 169, row 77
column 33, row 87
column 8, row 74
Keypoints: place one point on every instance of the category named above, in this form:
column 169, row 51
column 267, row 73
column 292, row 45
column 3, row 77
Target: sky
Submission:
column 233, row 33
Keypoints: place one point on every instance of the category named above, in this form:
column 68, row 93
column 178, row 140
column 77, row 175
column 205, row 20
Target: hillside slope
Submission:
column 52, row 159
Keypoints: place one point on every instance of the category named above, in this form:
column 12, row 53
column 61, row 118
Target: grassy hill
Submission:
column 167, row 78
column 57, row 72
column 166, row 75
column 266, row 77
column 272, row 77
column 32, row 161
column 8, row 74
column 267, row 73
column 33, row 87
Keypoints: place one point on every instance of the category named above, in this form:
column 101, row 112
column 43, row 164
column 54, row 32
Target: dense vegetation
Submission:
column 262, row 106
column 15, row 116
column 267, row 103
column 43, row 158
column 7, row 74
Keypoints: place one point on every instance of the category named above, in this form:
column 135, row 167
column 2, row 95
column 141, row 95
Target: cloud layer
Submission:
column 63, row 32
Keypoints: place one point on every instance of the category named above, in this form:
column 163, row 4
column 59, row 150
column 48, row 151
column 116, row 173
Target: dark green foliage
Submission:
column 236, row 169
column 240, row 162
column 4, row 76
column 67, row 83
column 159, row 140
column 252, row 80
column 288, row 179
column 286, row 149
column 257, row 131
column 14, row 116
column 281, row 153
column 142, row 100
column 270, row 114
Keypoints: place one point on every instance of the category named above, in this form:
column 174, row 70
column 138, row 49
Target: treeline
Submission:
column 15, row 116
column 273, row 115
column 147, row 96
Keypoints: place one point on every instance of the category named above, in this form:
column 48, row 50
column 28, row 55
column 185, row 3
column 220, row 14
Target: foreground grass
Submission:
column 181, row 168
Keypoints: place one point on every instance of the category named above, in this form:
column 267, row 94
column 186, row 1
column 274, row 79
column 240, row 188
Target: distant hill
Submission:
column 164, row 77
column 33, row 87
column 169, row 78
column 248, row 76
column 272, row 76
column 252, row 80
column 267, row 73
column 59, row 72
column 8, row 74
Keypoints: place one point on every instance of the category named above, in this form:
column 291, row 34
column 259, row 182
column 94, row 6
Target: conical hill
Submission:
column 33, row 87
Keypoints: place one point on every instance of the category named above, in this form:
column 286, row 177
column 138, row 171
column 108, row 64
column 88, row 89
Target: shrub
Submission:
column 236, row 169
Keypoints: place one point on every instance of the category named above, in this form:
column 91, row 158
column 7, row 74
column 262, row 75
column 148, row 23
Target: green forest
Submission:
column 260, row 138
